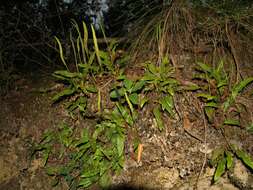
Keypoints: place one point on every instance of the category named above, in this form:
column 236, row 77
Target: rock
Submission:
column 241, row 176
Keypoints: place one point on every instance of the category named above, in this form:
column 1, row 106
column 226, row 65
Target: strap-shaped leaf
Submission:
column 211, row 104
column 120, row 140
column 61, row 52
column 167, row 104
column 125, row 114
column 247, row 160
column 67, row 74
column 232, row 122
column 158, row 117
column 85, row 182
column 220, row 169
column 229, row 159
column 65, row 92
column 96, row 45
column 208, row 97
column 239, row 87
column 204, row 67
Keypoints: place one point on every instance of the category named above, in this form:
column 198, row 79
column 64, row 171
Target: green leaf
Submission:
column 67, row 74
column 52, row 171
column 220, row 67
column 64, row 136
column 99, row 129
column 117, row 93
column 227, row 103
column 81, row 101
column 208, row 97
column 246, row 159
column 91, row 59
column 169, row 81
column 128, row 84
column 217, row 73
column 121, row 77
column 229, row 159
column 167, row 104
column 105, row 180
column 96, row 46
column 220, row 169
column 143, row 101
column 239, row 87
column 104, row 56
column 65, row 92
column 200, row 76
column 235, row 91
column 125, row 114
column 91, row 89
column 149, row 77
column 46, row 154
column 90, row 173
column 222, row 84
column 158, row 117
column 85, row 182
column 120, row 144
column 138, row 86
column 232, row 122
column 153, row 69
column 211, row 104
column 134, row 98
column 82, row 108
column 61, row 52
column 47, row 137
column 192, row 87
column 217, row 154
column 130, row 105
column 210, row 111
column 250, row 127
column 204, row 67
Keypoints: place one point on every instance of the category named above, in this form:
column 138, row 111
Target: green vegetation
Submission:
column 98, row 152
column 214, row 92
column 223, row 160
column 84, row 158
column 127, row 95
column 92, row 154
column 160, row 79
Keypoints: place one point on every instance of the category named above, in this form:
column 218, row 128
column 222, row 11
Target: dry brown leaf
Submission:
column 187, row 124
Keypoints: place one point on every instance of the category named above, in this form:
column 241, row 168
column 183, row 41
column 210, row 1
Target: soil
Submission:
column 171, row 159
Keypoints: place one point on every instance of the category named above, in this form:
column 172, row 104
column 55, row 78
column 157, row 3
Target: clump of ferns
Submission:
column 220, row 97
column 90, row 63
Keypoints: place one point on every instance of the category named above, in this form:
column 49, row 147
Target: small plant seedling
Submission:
column 223, row 160
column 160, row 79
column 127, row 93
column 214, row 91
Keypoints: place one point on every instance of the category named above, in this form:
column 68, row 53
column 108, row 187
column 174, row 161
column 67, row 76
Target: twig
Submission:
column 194, row 136
column 233, row 51
column 204, row 162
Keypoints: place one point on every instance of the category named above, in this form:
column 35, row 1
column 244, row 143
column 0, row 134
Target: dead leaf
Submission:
column 187, row 124
column 140, row 150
